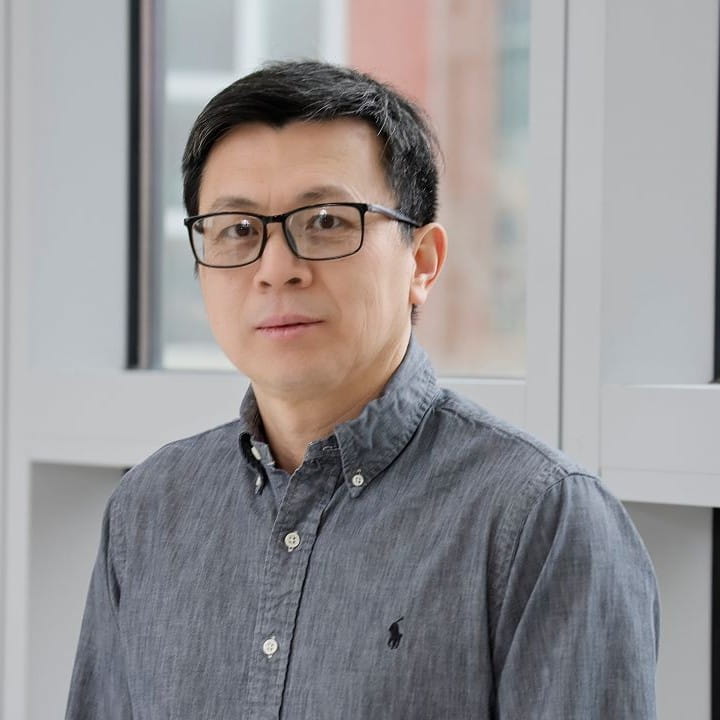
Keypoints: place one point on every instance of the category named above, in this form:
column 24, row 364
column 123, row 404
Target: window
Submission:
column 465, row 62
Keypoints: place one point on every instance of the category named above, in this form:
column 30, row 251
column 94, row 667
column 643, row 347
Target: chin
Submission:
column 293, row 378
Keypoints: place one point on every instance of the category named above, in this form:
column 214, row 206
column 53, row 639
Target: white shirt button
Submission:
column 270, row 646
column 357, row 480
column 255, row 452
column 292, row 540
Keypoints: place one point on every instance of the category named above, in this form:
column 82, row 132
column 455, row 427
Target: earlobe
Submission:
column 429, row 250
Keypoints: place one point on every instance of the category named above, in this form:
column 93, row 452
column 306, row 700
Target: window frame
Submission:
column 532, row 402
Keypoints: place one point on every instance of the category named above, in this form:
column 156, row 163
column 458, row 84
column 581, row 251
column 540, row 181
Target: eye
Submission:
column 325, row 221
column 238, row 230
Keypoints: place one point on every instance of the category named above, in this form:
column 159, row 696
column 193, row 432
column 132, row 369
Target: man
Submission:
column 359, row 543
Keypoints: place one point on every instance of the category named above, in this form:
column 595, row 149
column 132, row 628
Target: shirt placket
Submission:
column 285, row 568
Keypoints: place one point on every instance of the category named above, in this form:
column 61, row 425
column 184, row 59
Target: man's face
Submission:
column 298, row 327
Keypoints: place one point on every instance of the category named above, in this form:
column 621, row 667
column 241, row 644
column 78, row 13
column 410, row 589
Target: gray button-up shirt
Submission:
column 425, row 561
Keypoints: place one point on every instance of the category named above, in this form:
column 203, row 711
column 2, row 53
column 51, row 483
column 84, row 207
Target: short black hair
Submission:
column 283, row 92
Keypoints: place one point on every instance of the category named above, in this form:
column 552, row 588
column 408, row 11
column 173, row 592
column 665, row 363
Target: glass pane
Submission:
column 191, row 35
column 466, row 62
column 291, row 29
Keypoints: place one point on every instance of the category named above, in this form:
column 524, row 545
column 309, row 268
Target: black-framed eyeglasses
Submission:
column 327, row 231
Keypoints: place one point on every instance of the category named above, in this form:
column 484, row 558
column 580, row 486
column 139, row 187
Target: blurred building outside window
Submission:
column 465, row 61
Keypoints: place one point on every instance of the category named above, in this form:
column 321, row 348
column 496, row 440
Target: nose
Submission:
column 278, row 266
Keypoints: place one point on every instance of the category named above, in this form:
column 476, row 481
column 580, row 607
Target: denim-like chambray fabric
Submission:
column 471, row 573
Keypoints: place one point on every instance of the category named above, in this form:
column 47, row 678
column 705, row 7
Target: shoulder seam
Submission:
column 516, row 435
column 539, row 498
column 181, row 441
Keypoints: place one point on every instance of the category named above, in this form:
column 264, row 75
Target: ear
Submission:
column 429, row 251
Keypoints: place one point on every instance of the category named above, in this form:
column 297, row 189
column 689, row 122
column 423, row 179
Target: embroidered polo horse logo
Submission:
column 395, row 634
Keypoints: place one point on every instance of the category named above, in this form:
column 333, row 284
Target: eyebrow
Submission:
column 325, row 193
column 232, row 202
column 321, row 193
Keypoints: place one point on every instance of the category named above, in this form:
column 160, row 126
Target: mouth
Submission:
column 287, row 325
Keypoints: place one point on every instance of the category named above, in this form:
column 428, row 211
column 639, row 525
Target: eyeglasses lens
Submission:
column 326, row 232
column 229, row 239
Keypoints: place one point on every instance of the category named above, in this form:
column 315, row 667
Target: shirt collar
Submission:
column 371, row 441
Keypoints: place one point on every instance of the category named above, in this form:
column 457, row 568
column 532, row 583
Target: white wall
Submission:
column 66, row 509
column 678, row 541
column 660, row 161
column 65, row 242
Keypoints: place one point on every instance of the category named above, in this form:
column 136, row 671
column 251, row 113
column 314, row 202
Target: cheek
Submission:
column 390, row 278
column 222, row 303
column 380, row 301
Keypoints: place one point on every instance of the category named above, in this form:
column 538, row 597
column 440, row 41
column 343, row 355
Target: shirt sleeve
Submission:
column 99, row 686
column 577, row 632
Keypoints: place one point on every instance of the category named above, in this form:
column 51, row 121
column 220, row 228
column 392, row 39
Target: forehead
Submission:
column 274, row 165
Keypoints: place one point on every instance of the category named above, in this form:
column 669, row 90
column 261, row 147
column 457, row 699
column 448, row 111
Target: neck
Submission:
column 291, row 423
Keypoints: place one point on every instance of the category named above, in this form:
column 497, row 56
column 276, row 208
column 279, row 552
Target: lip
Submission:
column 280, row 321
column 285, row 326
